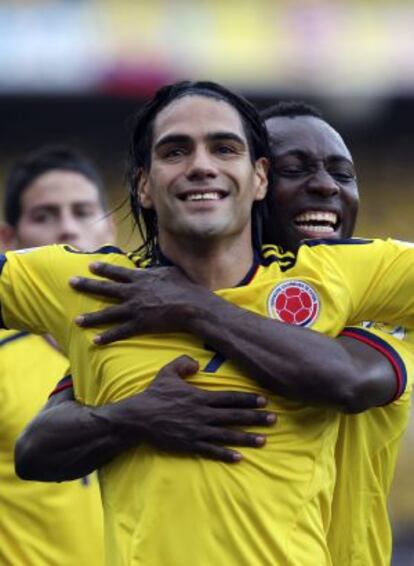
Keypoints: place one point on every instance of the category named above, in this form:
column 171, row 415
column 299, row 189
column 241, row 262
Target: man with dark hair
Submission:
column 55, row 194
column 324, row 204
column 201, row 180
column 51, row 195
column 310, row 202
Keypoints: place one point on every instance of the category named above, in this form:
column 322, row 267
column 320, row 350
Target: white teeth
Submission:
column 318, row 216
column 319, row 228
column 203, row 196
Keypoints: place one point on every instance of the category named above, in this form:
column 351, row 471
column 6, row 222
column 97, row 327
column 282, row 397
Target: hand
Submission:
column 177, row 417
column 151, row 300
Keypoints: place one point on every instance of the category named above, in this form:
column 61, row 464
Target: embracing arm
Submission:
column 68, row 440
column 297, row 363
column 294, row 362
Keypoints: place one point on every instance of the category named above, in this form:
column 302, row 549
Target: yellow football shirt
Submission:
column 41, row 524
column 366, row 453
column 274, row 507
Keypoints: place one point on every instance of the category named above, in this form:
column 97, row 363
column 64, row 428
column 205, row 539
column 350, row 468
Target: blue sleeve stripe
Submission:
column 387, row 350
column 3, row 260
column 339, row 242
column 14, row 337
column 104, row 250
column 65, row 383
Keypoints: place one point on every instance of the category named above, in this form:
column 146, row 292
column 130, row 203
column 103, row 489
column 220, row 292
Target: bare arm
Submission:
column 68, row 440
column 294, row 362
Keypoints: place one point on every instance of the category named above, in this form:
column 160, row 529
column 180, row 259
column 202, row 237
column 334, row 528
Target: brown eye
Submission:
column 225, row 149
column 174, row 152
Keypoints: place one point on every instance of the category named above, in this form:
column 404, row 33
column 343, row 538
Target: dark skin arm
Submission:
column 164, row 300
column 68, row 440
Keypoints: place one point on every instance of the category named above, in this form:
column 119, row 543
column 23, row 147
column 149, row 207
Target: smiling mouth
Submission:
column 203, row 195
column 317, row 222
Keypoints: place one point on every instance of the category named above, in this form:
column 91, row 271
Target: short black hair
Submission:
column 290, row 109
column 141, row 145
column 48, row 158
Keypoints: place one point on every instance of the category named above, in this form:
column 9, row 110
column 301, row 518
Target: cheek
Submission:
column 31, row 234
column 285, row 193
column 351, row 200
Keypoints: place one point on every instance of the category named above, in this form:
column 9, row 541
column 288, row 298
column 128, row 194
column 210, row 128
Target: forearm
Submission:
column 296, row 363
column 70, row 440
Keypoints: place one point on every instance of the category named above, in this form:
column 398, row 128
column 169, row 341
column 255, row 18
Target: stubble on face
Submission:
column 202, row 182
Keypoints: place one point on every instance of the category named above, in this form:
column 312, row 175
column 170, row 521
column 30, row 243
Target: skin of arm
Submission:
column 68, row 440
column 356, row 378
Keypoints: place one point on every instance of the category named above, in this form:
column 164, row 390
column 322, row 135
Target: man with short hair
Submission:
column 324, row 205
column 201, row 160
column 51, row 195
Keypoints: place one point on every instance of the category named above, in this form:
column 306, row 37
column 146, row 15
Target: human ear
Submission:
column 7, row 237
column 261, row 180
column 144, row 194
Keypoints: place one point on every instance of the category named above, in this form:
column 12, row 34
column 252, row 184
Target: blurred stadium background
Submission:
column 74, row 71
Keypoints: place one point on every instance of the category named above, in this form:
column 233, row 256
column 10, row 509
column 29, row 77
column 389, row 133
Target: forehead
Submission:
column 59, row 187
column 307, row 134
column 197, row 116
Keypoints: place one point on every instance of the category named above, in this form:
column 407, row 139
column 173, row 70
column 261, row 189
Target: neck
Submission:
column 215, row 265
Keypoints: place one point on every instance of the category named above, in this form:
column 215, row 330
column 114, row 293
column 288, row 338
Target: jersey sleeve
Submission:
column 65, row 383
column 393, row 342
column 34, row 290
column 378, row 275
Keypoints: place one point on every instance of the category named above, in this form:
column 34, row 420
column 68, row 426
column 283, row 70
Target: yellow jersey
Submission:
column 365, row 455
column 273, row 507
column 41, row 524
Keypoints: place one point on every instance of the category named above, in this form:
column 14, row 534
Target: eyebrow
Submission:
column 304, row 155
column 184, row 139
column 53, row 206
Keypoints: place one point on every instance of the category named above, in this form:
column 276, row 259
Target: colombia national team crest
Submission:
column 294, row 302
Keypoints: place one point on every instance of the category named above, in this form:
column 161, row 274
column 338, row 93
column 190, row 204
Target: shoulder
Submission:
column 12, row 336
column 348, row 252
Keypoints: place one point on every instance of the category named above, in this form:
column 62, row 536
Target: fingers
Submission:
column 121, row 332
column 114, row 272
column 110, row 315
column 234, row 437
column 228, row 417
column 184, row 366
column 97, row 287
column 234, row 399
column 217, row 452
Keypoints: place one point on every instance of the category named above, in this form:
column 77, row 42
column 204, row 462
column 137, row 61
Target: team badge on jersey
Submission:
column 294, row 302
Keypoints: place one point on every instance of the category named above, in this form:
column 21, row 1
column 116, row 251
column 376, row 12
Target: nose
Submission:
column 201, row 165
column 322, row 183
column 69, row 230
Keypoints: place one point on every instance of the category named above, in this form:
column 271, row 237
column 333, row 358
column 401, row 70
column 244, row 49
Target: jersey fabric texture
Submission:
column 41, row 524
column 366, row 454
column 274, row 507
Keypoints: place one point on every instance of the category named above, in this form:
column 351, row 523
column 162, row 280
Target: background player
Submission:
column 51, row 195
column 316, row 196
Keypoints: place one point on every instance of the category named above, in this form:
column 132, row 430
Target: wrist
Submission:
column 122, row 421
column 201, row 313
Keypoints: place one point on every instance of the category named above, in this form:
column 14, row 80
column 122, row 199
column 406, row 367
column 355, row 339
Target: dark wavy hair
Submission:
column 48, row 158
column 141, row 145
